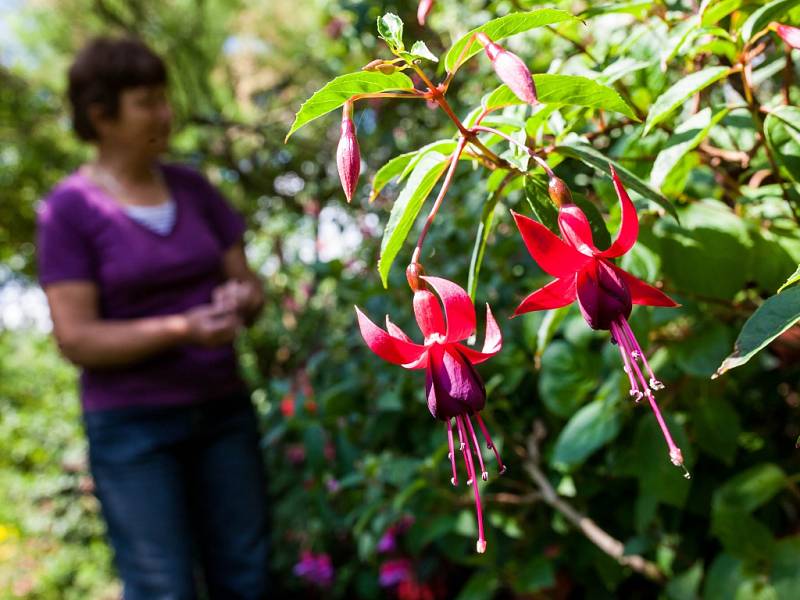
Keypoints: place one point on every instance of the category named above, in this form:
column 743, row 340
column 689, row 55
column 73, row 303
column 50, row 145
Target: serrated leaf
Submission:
column 506, row 26
column 592, row 157
column 687, row 137
column 337, row 91
column 794, row 278
column 761, row 18
column 771, row 319
column 393, row 168
column 406, row 208
column 390, row 28
column 782, row 131
column 565, row 90
column 680, row 92
column 420, row 50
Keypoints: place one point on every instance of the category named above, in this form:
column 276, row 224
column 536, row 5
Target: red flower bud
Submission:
column 413, row 273
column 559, row 192
column 348, row 158
column 423, row 9
column 789, row 34
column 511, row 70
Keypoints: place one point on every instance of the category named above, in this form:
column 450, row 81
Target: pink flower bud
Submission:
column 789, row 34
column 348, row 158
column 511, row 70
column 423, row 9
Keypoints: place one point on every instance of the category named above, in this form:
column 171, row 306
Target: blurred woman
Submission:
column 144, row 269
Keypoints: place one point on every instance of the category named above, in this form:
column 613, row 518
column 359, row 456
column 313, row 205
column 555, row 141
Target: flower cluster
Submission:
column 316, row 569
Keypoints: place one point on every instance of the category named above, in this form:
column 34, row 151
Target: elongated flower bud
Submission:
column 348, row 157
column 387, row 68
column 789, row 34
column 559, row 192
column 423, row 9
column 413, row 273
column 511, row 70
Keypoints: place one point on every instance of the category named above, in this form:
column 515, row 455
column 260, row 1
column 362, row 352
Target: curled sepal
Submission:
column 492, row 344
column 348, row 156
column 389, row 347
column 629, row 228
column 458, row 309
column 511, row 70
column 423, row 10
column 789, row 34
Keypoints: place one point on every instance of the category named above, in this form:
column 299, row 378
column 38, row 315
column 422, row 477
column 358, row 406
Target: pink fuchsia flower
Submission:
column 316, row 569
column 605, row 293
column 394, row 572
column 423, row 10
column 789, row 34
column 388, row 541
column 454, row 390
column 511, row 69
column 348, row 156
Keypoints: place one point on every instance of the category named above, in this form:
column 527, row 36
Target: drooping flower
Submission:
column 388, row 541
column 395, row 571
column 605, row 293
column 789, row 34
column 316, row 569
column 423, row 10
column 511, row 69
column 454, row 390
column 348, row 156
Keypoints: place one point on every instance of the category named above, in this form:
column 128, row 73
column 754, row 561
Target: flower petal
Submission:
column 389, row 348
column 458, row 309
column 491, row 345
column 575, row 229
column 550, row 252
column 603, row 296
column 629, row 228
column 396, row 332
column 453, row 386
column 428, row 313
column 643, row 293
column 555, row 294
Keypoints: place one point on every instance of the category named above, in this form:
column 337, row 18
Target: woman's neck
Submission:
column 126, row 169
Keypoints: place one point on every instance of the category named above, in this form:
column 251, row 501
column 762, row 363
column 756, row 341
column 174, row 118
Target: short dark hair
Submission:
column 102, row 70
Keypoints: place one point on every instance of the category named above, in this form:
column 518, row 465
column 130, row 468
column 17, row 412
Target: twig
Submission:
column 599, row 537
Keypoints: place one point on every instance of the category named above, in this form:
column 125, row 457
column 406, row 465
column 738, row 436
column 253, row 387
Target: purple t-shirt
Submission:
column 85, row 235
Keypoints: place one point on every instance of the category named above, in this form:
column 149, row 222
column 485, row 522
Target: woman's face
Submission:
column 143, row 123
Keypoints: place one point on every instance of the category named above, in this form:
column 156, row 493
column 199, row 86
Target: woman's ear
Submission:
column 98, row 117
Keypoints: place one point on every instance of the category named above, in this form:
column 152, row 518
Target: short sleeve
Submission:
column 227, row 222
column 63, row 251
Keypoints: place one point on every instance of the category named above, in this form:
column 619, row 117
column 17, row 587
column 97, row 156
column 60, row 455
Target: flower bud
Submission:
column 559, row 192
column 789, row 34
column 423, row 9
column 511, row 70
column 413, row 273
column 378, row 64
column 348, row 158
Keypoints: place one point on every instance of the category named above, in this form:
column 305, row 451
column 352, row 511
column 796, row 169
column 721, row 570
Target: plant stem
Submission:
column 541, row 162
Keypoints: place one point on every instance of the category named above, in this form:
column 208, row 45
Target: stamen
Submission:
column 675, row 454
column 484, row 473
column 460, row 437
column 451, row 455
column 480, row 545
column 654, row 383
column 624, row 351
column 466, row 451
column 490, row 444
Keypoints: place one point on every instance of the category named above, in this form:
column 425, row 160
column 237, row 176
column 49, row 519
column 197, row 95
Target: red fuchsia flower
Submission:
column 423, row 10
column 348, row 156
column 789, row 34
column 395, row 571
column 511, row 69
column 453, row 387
column 316, row 569
column 605, row 293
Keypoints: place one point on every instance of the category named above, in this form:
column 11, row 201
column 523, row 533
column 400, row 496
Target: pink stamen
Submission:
column 481, row 543
column 624, row 351
column 654, row 383
column 451, row 455
column 484, row 473
column 490, row 444
column 461, row 445
column 465, row 451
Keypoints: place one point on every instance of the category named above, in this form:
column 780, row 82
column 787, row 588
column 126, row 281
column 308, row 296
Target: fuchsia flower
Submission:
column 605, row 293
column 348, row 156
column 395, row 571
column 315, row 568
column 453, row 387
column 789, row 34
column 423, row 9
column 511, row 69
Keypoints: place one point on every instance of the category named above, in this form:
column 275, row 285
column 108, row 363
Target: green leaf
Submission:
column 337, row 91
column 533, row 575
column 751, row 488
column 565, row 90
column 478, row 250
column 771, row 319
column 590, row 156
column 419, row 50
column 761, row 18
column 742, row 535
column 723, row 578
column 680, row 92
column 547, row 329
column 406, row 208
column 794, row 278
column 481, row 586
column 539, row 200
column 440, row 146
column 685, row 585
column 567, row 378
column 717, row 426
column 593, row 426
column 389, row 171
column 782, row 130
column 687, row 137
column 632, row 7
column 498, row 29
column 714, row 12
column 390, row 28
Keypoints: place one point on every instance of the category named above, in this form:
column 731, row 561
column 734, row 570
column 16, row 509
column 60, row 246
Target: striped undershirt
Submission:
column 159, row 218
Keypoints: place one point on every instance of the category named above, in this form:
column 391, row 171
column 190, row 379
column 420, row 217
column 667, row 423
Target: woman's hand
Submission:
column 212, row 324
column 243, row 297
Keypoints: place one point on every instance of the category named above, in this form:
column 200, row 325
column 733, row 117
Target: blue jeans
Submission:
column 182, row 491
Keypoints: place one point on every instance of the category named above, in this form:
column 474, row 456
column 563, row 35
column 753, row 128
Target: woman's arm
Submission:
column 249, row 297
column 89, row 341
